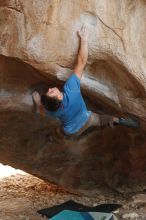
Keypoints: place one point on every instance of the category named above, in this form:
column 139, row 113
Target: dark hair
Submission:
column 50, row 104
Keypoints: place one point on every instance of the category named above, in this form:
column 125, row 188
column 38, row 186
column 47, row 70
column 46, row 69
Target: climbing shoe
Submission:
column 129, row 122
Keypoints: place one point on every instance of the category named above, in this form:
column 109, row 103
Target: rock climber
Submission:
column 69, row 106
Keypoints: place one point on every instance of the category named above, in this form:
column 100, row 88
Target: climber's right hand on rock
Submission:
column 83, row 33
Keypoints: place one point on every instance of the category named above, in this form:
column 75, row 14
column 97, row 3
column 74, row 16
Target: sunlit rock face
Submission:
column 38, row 46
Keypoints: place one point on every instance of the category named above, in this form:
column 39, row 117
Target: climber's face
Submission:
column 55, row 93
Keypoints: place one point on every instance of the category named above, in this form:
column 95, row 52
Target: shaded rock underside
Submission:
column 102, row 159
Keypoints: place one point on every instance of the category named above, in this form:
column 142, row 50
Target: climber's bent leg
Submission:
column 95, row 120
column 126, row 121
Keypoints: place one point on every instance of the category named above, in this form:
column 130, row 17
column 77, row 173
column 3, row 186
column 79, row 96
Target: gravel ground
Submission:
column 22, row 195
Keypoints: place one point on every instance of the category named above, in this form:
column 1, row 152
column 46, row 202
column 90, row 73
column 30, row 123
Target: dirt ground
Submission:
column 22, row 195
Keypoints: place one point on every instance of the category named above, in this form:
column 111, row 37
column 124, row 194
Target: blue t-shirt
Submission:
column 72, row 112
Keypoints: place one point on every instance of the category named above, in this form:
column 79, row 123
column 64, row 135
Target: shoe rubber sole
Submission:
column 129, row 122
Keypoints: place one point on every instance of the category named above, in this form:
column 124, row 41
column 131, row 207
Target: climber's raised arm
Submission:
column 83, row 52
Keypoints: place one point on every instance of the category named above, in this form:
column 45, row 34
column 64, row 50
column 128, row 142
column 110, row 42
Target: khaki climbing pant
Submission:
column 95, row 120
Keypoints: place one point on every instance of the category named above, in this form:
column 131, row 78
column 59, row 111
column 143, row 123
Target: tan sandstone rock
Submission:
column 39, row 43
column 43, row 34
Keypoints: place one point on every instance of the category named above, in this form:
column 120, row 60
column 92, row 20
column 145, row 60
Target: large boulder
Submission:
column 38, row 46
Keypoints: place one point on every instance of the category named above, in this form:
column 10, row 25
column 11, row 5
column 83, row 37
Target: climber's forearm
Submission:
column 42, row 111
column 81, row 58
column 83, row 52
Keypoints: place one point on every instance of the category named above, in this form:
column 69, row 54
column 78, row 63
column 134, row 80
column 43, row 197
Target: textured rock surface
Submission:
column 43, row 35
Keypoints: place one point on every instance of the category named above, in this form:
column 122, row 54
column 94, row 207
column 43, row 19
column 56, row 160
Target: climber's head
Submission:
column 52, row 99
